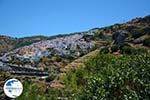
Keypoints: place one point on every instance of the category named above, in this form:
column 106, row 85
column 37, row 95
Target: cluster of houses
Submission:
column 69, row 45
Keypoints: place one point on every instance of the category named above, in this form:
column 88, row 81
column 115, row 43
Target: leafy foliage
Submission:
column 130, row 50
column 105, row 50
column 50, row 78
column 32, row 92
column 137, row 33
column 146, row 42
column 114, row 48
column 114, row 78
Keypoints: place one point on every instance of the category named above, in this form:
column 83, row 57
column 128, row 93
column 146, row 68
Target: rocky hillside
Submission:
column 51, row 53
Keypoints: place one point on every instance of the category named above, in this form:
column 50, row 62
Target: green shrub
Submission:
column 117, row 78
column 105, row 50
column 36, row 91
column 31, row 91
column 114, row 48
column 93, row 48
column 99, row 35
column 127, row 50
column 137, row 33
column 80, row 74
column 140, row 51
column 50, row 78
column 135, row 51
column 146, row 42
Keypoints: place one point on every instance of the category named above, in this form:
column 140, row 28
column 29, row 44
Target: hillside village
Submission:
column 65, row 46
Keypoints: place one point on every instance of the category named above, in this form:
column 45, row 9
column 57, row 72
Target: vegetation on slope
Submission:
column 103, row 77
column 109, row 77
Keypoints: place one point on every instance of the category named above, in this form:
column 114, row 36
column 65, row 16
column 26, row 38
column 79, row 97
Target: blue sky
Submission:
column 19, row 18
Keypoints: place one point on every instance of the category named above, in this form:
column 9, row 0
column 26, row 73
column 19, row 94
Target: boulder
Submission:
column 119, row 38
